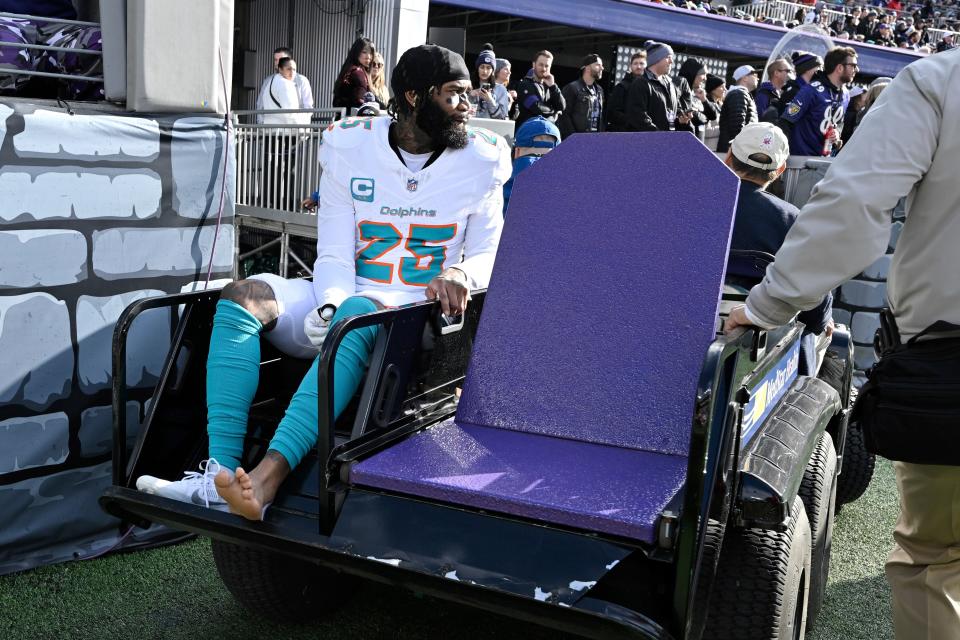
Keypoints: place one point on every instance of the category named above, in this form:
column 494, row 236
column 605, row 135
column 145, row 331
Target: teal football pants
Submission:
column 233, row 373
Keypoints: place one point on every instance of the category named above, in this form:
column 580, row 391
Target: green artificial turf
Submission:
column 857, row 603
column 174, row 593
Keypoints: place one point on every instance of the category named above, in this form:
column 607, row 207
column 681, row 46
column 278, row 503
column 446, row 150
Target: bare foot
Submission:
column 241, row 492
column 249, row 494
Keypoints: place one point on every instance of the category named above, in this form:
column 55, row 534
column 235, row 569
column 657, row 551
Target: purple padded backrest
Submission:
column 604, row 295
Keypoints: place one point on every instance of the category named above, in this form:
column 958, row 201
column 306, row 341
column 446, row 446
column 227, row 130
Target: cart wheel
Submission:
column 858, row 463
column 833, row 371
column 279, row 587
column 712, row 543
column 761, row 588
column 818, row 491
column 856, row 472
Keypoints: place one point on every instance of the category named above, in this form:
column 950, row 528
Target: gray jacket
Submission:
column 909, row 144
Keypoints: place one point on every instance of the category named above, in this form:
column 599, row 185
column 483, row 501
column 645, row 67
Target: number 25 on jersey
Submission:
column 424, row 263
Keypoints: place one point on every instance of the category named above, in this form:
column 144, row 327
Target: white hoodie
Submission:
column 279, row 93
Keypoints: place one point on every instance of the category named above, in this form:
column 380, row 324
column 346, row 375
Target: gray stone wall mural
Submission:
column 97, row 210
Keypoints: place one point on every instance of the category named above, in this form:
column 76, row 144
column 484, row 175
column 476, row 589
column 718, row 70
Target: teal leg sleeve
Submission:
column 297, row 431
column 233, row 373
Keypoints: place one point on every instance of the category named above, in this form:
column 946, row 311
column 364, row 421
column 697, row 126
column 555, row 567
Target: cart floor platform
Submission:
column 616, row 491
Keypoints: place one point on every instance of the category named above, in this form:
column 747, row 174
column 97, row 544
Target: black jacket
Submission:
column 850, row 122
column 699, row 115
column 866, row 28
column 738, row 111
column 790, row 91
column 710, row 110
column 536, row 99
column 769, row 103
column 617, row 104
column 579, row 100
column 761, row 224
column 649, row 100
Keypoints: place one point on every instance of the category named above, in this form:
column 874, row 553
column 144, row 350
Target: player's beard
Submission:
column 443, row 129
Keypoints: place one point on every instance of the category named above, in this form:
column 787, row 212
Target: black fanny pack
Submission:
column 909, row 408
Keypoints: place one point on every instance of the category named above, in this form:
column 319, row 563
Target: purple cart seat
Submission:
column 604, row 295
column 593, row 487
column 578, row 402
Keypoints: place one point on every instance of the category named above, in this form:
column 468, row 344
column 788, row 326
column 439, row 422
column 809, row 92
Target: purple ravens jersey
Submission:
column 818, row 106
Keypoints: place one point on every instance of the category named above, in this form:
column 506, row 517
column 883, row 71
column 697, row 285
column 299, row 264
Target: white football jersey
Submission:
column 384, row 231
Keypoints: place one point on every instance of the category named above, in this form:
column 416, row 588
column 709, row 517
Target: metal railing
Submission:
column 774, row 10
column 936, row 35
column 277, row 156
column 42, row 47
column 784, row 12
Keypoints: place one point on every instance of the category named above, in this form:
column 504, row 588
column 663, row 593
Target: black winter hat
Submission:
column 691, row 68
column 803, row 61
column 712, row 82
column 425, row 66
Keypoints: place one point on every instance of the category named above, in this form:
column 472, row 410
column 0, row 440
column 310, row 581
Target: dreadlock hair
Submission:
column 399, row 106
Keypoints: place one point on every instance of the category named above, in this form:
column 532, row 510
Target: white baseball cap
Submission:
column 742, row 71
column 856, row 90
column 761, row 137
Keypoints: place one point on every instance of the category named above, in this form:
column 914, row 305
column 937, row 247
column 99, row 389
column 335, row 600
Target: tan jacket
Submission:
column 909, row 144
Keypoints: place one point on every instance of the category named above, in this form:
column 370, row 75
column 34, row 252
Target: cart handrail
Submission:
column 119, row 395
column 326, row 445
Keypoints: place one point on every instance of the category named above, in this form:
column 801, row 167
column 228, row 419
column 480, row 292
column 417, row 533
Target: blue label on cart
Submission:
column 767, row 393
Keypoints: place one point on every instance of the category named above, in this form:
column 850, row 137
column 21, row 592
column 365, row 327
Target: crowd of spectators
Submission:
column 811, row 101
column 806, row 96
column 889, row 23
column 892, row 23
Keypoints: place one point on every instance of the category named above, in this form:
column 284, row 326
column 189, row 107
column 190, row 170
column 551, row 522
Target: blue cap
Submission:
column 536, row 126
column 486, row 57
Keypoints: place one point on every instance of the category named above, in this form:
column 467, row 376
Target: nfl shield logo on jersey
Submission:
column 412, row 185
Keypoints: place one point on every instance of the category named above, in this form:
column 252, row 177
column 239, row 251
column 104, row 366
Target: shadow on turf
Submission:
column 380, row 612
column 375, row 612
column 855, row 610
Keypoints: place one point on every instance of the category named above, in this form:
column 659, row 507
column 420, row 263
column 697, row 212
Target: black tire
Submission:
column 712, row 543
column 858, row 463
column 833, row 371
column 856, row 472
column 818, row 491
column 279, row 587
column 761, row 588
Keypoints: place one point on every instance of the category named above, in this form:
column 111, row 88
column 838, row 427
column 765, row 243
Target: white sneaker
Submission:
column 195, row 487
